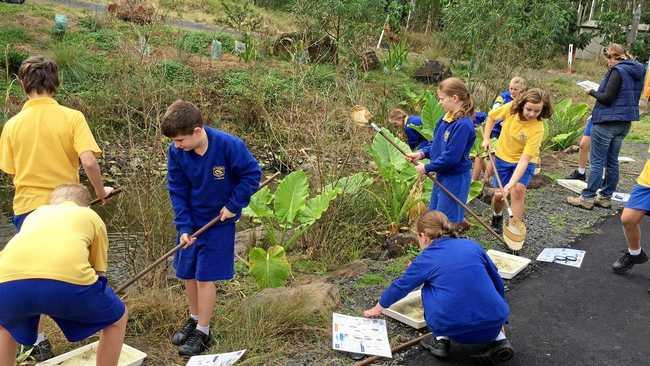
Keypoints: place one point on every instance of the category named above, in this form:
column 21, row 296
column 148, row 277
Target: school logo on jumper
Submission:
column 446, row 136
column 219, row 172
column 522, row 137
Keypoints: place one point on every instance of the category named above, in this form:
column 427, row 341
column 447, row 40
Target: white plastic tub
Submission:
column 508, row 265
column 408, row 310
column 86, row 356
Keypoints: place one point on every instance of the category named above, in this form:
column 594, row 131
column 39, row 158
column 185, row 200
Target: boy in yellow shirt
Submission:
column 637, row 207
column 56, row 266
column 518, row 149
column 41, row 147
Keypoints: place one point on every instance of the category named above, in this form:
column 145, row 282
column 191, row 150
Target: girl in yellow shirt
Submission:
column 518, row 148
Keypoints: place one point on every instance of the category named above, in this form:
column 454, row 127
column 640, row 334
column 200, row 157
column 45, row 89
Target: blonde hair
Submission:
column 397, row 114
column 455, row 86
column 535, row 96
column 518, row 81
column 70, row 192
column 616, row 52
column 434, row 224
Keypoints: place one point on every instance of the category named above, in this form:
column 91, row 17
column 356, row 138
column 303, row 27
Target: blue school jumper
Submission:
column 413, row 138
column 199, row 186
column 449, row 155
column 503, row 98
column 462, row 291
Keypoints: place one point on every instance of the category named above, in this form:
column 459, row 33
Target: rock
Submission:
column 350, row 270
column 370, row 61
column 318, row 297
column 571, row 149
column 248, row 238
column 397, row 244
column 432, row 72
column 539, row 180
column 320, row 50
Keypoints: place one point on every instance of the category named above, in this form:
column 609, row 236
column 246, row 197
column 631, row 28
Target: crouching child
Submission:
column 209, row 173
column 56, row 265
column 462, row 293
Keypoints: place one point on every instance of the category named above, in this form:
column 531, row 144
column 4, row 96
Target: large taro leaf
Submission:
column 316, row 206
column 290, row 197
column 351, row 184
column 475, row 190
column 259, row 204
column 386, row 156
column 269, row 268
column 431, row 114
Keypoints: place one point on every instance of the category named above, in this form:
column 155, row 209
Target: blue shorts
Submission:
column 80, row 311
column 459, row 185
column 506, row 169
column 639, row 199
column 210, row 258
column 477, row 336
column 18, row 220
column 588, row 128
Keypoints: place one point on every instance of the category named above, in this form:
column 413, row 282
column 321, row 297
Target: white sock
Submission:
column 441, row 337
column 501, row 336
column 41, row 337
column 195, row 317
column 582, row 170
column 204, row 330
column 634, row 252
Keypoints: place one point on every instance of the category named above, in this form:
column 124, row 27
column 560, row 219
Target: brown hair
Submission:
column 39, row 74
column 434, row 224
column 617, row 52
column 397, row 114
column 455, row 86
column 535, row 96
column 70, row 192
column 181, row 118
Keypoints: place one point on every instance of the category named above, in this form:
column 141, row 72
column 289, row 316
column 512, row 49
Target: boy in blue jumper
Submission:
column 400, row 119
column 462, row 293
column 209, row 173
column 453, row 138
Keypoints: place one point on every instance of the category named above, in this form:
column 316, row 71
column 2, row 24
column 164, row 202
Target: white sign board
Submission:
column 221, row 359
column 360, row 335
column 565, row 256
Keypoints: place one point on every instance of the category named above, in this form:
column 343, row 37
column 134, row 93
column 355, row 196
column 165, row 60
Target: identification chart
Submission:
column 565, row 256
column 221, row 359
column 360, row 335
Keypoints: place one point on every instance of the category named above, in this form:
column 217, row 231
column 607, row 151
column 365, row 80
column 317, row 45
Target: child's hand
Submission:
column 186, row 240
column 421, row 169
column 225, row 214
column 374, row 312
column 486, row 145
column 413, row 157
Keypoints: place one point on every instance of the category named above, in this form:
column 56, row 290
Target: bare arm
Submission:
column 94, row 173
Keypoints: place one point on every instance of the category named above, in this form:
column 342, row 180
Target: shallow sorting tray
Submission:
column 574, row 185
column 85, row 356
column 408, row 310
column 508, row 265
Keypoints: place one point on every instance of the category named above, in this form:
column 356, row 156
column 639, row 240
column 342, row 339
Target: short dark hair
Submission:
column 181, row 118
column 535, row 96
column 39, row 74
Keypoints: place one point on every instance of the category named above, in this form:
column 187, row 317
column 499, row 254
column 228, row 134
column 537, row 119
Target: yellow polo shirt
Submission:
column 644, row 177
column 63, row 242
column 517, row 137
column 40, row 147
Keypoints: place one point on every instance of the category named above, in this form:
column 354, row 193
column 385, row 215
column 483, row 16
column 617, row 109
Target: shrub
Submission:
column 174, row 71
column 195, row 42
column 566, row 124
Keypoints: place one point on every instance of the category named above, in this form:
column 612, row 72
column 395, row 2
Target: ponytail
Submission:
column 434, row 224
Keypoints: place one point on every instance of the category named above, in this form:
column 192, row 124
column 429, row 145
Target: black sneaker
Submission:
column 437, row 347
column 40, row 352
column 627, row 261
column 576, row 175
column 497, row 224
column 497, row 351
column 195, row 344
column 181, row 335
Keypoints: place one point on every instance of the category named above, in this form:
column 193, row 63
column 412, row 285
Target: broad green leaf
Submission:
column 351, row 184
column 269, row 269
column 431, row 114
column 259, row 204
column 386, row 156
column 316, row 206
column 477, row 149
column 475, row 190
column 290, row 196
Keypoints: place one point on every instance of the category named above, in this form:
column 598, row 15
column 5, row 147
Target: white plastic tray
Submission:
column 411, row 300
column 85, row 356
column 508, row 265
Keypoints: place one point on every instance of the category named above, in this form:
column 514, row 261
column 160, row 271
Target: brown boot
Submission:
column 586, row 203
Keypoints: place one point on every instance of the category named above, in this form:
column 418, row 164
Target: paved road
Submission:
column 587, row 316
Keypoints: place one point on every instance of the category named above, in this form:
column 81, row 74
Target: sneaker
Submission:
column 497, row 351
column 41, row 352
column 576, row 175
column 195, row 344
column 181, row 335
column 437, row 347
column 497, row 224
column 604, row 202
column 586, row 203
column 627, row 261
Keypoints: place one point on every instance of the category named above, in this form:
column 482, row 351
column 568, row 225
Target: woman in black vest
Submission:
column 617, row 104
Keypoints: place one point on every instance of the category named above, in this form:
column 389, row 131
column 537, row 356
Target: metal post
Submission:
column 592, row 10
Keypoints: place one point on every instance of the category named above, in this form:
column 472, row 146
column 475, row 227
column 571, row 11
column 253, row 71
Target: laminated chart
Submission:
column 360, row 335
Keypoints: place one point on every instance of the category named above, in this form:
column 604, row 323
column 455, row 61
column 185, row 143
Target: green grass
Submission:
column 13, row 35
column 370, row 280
column 640, row 131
